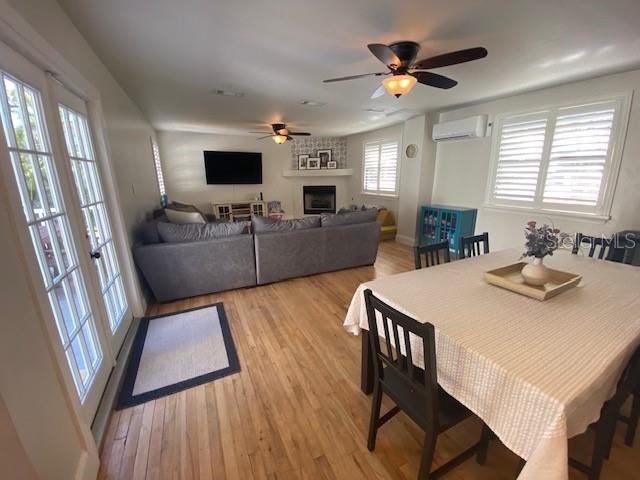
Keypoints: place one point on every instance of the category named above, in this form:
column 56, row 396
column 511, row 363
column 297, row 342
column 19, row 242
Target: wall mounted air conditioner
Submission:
column 472, row 127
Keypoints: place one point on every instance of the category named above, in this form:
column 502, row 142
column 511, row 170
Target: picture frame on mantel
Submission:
column 332, row 165
column 302, row 162
column 324, row 156
column 313, row 163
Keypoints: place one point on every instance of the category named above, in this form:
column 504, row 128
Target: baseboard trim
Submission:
column 108, row 401
column 405, row 240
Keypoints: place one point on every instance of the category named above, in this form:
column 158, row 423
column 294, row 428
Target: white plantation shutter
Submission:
column 557, row 160
column 578, row 158
column 158, row 166
column 519, row 159
column 380, row 167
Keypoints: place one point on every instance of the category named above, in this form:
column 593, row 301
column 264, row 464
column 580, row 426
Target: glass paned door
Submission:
column 87, row 181
column 48, row 223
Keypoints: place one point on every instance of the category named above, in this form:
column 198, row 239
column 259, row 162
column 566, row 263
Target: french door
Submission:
column 49, row 170
column 80, row 155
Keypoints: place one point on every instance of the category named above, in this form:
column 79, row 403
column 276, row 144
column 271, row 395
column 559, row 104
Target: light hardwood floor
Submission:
column 295, row 410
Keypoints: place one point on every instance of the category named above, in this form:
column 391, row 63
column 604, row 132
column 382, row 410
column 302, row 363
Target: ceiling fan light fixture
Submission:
column 279, row 139
column 398, row 85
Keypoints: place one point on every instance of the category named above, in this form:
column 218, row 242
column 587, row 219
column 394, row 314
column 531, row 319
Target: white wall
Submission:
column 462, row 167
column 183, row 167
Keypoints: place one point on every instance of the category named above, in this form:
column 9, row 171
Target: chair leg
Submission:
column 426, row 460
column 485, row 439
column 633, row 420
column 604, row 433
column 375, row 415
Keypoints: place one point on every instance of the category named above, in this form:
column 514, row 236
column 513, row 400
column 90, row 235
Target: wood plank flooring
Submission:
column 295, row 411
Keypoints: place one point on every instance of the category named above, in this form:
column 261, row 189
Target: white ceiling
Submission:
column 169, row 55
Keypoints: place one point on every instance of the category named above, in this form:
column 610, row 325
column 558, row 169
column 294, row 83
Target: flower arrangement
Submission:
column 540, row 240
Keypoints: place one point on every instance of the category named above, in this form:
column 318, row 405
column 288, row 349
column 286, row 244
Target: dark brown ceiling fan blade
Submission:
column 305, row 134
column 353, row 77
column 264, row 133
column 266, row 136
column 289, row 137
column 380, row 91
column 383, row 53
column 451, row 58
column 435, row 80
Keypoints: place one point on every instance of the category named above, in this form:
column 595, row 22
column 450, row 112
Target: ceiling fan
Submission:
column 399, row 57
column 281, row 133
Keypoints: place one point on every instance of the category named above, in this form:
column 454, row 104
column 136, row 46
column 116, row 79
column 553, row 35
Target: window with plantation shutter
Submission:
column 380, row 167
column 519, row 159
column 578, row 157
column 562, row 159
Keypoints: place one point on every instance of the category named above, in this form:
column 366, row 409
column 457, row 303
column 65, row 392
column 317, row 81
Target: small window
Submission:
column 380, row 167
column 561, row 159
column 158, row 166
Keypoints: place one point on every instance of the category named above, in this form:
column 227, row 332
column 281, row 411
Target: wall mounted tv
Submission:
column 233, row 168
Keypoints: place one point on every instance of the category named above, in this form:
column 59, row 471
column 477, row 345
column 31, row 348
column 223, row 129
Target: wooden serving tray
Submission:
column 509, row 277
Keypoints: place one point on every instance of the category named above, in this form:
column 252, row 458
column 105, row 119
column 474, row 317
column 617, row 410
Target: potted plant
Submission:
column 540, row 242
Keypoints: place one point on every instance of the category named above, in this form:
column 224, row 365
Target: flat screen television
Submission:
column 233, row 168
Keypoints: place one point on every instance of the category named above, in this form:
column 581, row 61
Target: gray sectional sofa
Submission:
column 223, row 257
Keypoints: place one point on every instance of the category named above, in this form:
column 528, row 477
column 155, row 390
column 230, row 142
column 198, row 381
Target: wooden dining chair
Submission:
column 604, row 251
column 413, row 390
column 434, row 254
column 605, row 427
column 632, row 419
column 471, row 246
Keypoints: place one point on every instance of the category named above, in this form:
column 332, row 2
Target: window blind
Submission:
column 578, row 157
column 158, row 166
column 519, row 159
column 556, row 160
column 380, row 167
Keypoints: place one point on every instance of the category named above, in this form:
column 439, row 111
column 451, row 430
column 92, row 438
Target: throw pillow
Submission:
column 176, row 233
column 348, row 218
column 183, row 213
column 263, row 224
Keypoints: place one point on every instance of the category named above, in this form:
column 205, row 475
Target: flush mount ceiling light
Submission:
column 228, row 93
column 279, row 139
column 312, row 103
column 399, row 57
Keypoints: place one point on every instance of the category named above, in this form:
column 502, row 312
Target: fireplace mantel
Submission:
column 330, row 172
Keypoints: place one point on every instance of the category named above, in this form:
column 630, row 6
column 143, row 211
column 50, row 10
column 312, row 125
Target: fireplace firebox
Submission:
column 319, row 199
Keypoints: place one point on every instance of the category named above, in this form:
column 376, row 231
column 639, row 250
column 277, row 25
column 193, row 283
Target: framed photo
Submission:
column 313, row 163
column 325, row 157
column 302, row 162
column 332, row 165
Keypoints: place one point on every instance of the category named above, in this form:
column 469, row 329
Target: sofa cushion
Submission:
column 263, row 224
column 176, row 233
column 348, row 218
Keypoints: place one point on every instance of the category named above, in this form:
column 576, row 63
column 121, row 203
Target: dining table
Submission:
column 536, row 372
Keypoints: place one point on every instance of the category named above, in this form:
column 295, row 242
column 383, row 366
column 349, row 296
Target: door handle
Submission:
column 95, row 255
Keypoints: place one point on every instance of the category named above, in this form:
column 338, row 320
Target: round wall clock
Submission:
column 411, row 150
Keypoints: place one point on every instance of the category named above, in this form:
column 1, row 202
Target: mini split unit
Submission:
column 472, row 127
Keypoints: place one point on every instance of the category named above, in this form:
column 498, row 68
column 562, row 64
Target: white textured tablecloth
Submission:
column 536, row 372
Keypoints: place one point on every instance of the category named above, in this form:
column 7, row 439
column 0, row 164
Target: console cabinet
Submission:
column 238, row 211
column 440, row 222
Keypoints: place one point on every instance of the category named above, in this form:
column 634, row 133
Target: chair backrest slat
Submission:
column 474, row 246
column 434, row 254
column 629, row 381
column 426, row 382
column 605, row 245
